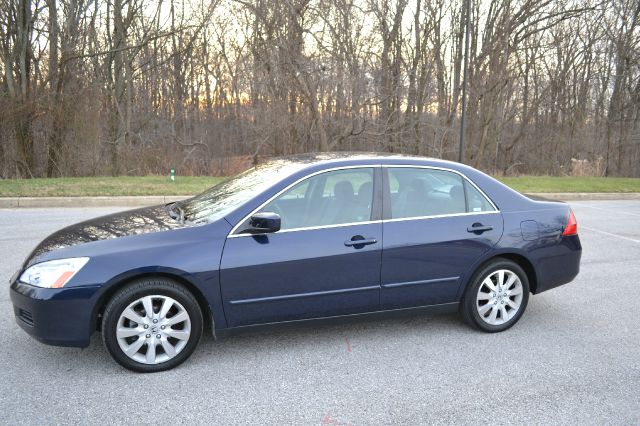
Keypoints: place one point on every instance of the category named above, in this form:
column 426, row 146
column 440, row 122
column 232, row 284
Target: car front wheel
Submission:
column 497, row 296
column 152, row 325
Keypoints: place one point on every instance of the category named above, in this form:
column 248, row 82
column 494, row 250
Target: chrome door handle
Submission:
column 360, row 242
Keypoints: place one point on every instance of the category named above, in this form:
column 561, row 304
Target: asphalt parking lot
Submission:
column 574, row 358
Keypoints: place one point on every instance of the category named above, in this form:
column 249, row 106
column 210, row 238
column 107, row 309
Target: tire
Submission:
column 173, row 329
column 492, row 308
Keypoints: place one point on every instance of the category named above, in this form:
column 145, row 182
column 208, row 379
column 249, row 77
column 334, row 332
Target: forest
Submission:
column 136, row 87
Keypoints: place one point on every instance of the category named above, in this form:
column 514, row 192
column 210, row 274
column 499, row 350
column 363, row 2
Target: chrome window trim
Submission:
column 367, row 166
column 232, row 233
column 438, row 216
column 308, row 228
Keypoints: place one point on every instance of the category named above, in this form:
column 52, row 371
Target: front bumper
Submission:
column 60, row 317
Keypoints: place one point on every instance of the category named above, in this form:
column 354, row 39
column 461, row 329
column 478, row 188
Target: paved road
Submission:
column 574, row 358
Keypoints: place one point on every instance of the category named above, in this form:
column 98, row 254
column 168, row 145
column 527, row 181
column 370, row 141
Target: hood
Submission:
column 117, row 225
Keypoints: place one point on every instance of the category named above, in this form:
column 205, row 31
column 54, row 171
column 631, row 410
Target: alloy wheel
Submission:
column 153, row 329
column 499, row 297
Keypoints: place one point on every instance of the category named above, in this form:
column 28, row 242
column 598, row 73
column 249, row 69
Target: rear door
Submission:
column 325, row 260
column 437, row 224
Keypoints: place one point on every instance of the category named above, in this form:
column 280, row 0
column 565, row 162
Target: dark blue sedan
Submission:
column 294, row 239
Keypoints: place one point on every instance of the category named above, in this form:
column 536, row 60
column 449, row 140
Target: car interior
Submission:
column 424, row 192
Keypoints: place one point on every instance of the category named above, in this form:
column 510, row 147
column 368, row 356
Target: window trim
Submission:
column 387, row 194
column 375, row 201
column 438, row 216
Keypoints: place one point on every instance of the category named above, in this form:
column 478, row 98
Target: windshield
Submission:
column 225, row 197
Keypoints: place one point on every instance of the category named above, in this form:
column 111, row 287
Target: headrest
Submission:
column 420, row 185
column 365, row 189
column 343, row 189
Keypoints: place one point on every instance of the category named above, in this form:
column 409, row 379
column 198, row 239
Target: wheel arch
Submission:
column 518, row 258
column 525, row 264
column 119, row 282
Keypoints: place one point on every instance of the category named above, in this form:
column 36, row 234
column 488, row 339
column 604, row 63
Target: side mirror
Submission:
column 263, row 223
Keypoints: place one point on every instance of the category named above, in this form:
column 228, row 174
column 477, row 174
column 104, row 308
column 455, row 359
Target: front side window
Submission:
column 223, row 198
column 330, row 198
column 418, row 192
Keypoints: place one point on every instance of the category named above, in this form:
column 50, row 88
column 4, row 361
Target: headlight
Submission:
column 53, row 274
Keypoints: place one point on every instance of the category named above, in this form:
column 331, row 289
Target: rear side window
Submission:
column 425, row 192
column 418, row 192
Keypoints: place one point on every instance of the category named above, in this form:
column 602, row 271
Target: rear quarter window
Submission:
column 477, row 203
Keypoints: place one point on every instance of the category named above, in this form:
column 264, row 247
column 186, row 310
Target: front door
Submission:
column 437, row 224
column 315, row 265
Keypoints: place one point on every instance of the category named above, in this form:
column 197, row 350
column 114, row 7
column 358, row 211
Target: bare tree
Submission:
column 140, row 86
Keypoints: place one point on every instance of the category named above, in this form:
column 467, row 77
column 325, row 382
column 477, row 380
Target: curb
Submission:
column 592, row 196
column 150, row 200
column 125, row 201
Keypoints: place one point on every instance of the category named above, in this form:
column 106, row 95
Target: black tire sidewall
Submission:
column 470, row 311
column 135, row 290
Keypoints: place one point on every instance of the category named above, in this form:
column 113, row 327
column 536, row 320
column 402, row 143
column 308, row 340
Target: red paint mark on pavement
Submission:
column 328, row 420
column 346, row 339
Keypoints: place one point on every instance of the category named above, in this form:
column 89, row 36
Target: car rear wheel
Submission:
column 497, row 296
column 152, row 325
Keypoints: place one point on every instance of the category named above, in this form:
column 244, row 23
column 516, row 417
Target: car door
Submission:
column 436, row 225
column 324, row 261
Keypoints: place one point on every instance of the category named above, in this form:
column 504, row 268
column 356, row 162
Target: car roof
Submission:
column 358, row 158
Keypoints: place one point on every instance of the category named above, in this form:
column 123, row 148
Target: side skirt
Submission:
column 339, row 319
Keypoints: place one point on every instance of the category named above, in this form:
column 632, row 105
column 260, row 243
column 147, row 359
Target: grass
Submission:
column 106, row 186
column 572, row 184
column 186, row 185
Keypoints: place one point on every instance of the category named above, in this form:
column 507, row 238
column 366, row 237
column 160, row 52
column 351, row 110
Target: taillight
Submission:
column 572, row 225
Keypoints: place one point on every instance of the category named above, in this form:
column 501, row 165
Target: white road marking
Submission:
column 608, row 233
column 608, row 210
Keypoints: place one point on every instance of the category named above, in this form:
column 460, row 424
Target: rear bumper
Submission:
column 60, row 317
column 560, row 265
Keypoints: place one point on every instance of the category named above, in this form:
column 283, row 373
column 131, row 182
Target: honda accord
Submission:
column 293, row 239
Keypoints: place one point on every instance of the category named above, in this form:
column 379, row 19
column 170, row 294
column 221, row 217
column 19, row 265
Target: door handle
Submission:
column 359, row 241
column 478, row 228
